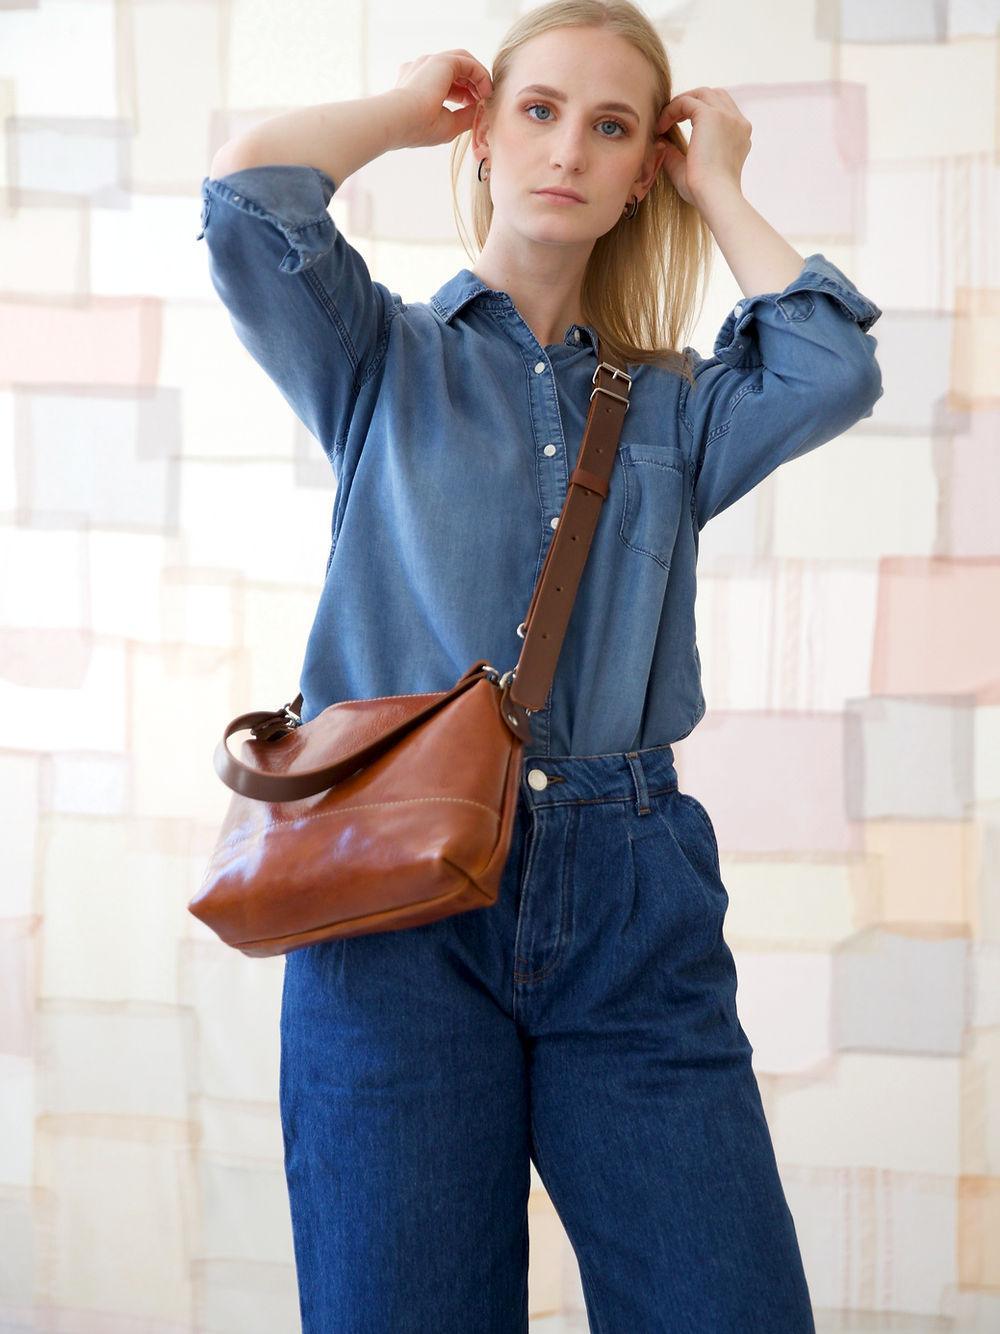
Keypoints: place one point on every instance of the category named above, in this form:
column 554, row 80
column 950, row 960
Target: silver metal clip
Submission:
column 505, row 681
column 282, row 721
column 616, row 374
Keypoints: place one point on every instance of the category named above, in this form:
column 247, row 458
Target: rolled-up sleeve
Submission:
column 299, row 295
column 790, row 370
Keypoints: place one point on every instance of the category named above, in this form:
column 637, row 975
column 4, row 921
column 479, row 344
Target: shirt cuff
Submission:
column 818, row 274
column 292, row 198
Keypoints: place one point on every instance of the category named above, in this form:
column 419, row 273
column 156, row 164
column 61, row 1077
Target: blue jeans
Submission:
column 587, row 1021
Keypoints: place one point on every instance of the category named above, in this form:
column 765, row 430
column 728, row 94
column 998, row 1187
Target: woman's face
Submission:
column 575, row 141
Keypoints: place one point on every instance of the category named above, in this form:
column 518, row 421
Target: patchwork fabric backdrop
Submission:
column 165, row 525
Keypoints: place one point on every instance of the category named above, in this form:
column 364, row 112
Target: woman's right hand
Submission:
column 429, row 81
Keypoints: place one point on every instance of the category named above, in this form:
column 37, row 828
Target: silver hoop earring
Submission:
column 631, row 208
column 479, row 171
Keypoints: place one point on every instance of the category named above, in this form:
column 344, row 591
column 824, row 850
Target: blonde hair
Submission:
column 641, row 279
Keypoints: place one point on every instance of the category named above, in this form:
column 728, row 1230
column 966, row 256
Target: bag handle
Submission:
column 252, row 782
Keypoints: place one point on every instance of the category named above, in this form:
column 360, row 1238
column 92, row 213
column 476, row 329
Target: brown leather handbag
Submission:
column 380, row 814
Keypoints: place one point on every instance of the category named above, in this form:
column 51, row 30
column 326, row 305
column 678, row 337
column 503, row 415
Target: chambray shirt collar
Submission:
column 454, row 295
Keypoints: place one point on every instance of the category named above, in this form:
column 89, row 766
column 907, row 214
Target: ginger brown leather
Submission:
column 381, row 814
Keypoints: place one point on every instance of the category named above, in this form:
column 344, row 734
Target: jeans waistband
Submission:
column 629, row 775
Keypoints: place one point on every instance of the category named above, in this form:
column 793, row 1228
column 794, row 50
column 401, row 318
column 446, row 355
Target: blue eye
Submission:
column 540, row 106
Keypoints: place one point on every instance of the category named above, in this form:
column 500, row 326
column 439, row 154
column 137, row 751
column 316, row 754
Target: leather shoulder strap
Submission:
column 555, row 592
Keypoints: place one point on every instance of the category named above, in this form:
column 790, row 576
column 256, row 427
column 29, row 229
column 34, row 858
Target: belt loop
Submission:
column 639, row 777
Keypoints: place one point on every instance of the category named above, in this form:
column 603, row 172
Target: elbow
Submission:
column 222, row 163
column 858, row 387
column 870, row 388
column 848, row 395
column 234, row 155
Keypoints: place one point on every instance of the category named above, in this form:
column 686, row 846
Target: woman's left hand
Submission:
column 717, row 149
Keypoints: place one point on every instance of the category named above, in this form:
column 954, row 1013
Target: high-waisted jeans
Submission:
column 586, row 1021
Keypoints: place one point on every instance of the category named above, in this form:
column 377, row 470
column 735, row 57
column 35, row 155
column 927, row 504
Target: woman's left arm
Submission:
column 790, row 370
column 708, row 176
column 793, row 364
column 760, row 258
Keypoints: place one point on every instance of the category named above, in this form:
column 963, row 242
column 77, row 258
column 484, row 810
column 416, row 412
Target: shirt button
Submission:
column 738, row 309
column 538, row 779
column 554, row 521
column 576, row 335
column 539, row 367
column 549, row 449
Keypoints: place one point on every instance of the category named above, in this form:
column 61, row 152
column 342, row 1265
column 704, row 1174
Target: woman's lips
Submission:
column 557, row 198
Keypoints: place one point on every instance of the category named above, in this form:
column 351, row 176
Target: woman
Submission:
column 588, row 1020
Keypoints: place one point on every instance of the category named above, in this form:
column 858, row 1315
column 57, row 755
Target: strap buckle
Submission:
column 616, row 374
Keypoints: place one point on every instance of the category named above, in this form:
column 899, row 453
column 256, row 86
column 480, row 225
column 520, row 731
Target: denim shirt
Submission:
column 451, row 433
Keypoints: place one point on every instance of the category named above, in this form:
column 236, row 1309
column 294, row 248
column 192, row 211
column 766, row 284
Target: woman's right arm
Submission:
column 337, row 138
column 300, row 297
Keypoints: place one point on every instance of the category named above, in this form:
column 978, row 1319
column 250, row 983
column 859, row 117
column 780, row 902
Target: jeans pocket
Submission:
column 706, row 819
column 653, row 490
column 690, row 827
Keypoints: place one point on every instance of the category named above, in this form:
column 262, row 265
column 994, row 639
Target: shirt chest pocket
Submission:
column 653, row 497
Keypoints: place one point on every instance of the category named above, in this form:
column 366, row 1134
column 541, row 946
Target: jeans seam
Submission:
column 557, row 953
column 596, row 801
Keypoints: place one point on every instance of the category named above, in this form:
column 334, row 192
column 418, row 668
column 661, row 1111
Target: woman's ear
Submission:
column 480, row 129
column 651, row 166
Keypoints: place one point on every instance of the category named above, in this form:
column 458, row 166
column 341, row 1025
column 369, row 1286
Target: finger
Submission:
column 462, row 91
column 460, row 120
column 713, row 96
column 684, row 106
column 664, row 120
column 470, row 87
column 726, row 99
column 469, row 67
